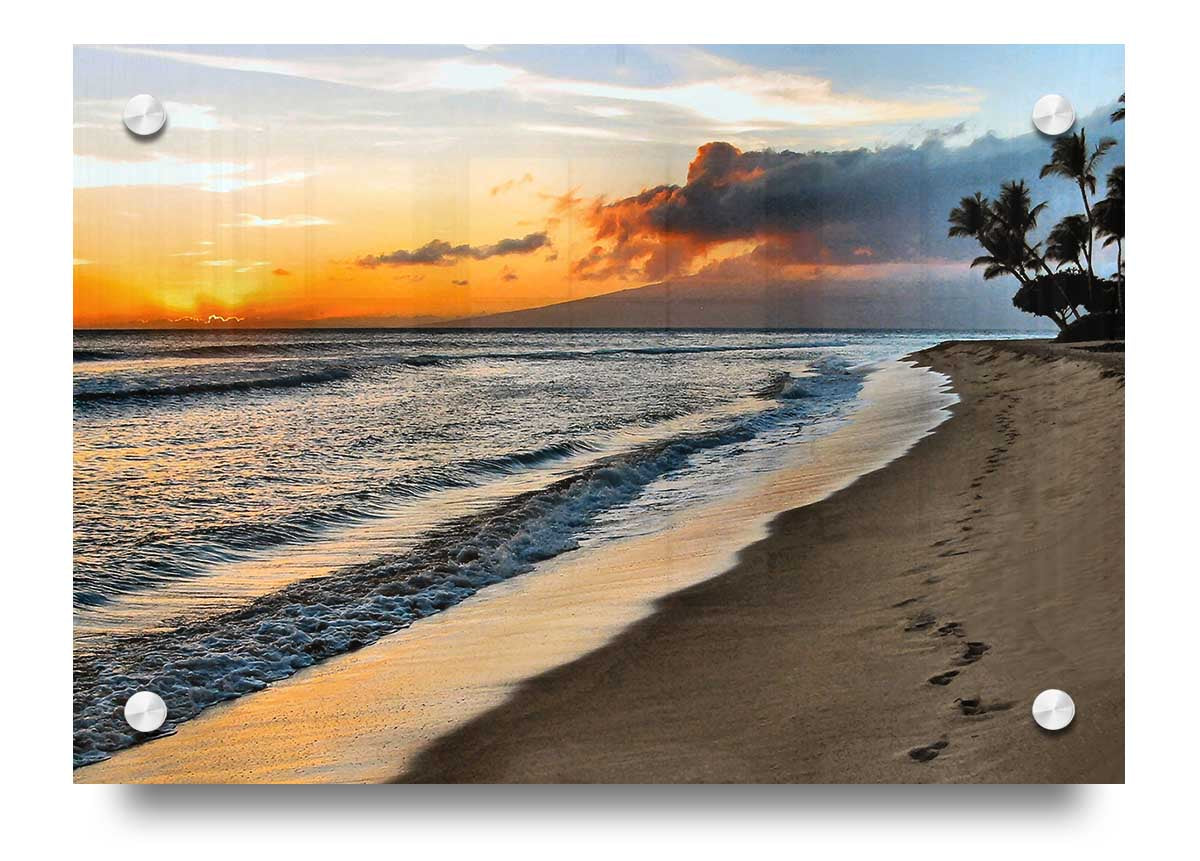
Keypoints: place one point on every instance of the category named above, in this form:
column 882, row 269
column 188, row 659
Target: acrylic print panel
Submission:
column 614, row 414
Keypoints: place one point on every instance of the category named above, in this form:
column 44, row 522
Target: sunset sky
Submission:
column 382, row 185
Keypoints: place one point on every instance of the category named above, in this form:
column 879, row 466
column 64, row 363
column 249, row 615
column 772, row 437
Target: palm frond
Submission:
column 1115, row 182
column 1101, row 148
column 1071, row 159
column 1109, row 215
column 970, row 217
column 1067, row 240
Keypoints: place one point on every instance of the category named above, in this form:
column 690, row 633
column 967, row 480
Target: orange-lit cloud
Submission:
column 781, row 209
column 510, row 185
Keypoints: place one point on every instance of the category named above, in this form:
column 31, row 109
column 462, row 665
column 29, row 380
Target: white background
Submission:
column 1156, row 810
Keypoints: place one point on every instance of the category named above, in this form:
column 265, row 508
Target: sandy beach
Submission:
column 888, row 628
column 895, row 632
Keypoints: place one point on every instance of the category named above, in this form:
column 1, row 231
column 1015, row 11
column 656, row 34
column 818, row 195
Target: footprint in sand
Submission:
column 924, row 754
column 923, row 621
column 975, row 706
column 973, row 652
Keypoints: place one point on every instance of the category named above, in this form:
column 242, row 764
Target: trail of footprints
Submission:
column 926, row 621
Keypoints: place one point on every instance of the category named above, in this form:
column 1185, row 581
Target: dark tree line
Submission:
column 1056, row 274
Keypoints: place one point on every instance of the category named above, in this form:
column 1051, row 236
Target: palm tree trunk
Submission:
column 1120, row 278
column 1087, row 209
column 1051, row 275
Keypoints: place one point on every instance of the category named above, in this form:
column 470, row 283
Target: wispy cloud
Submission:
column 730, row 92
column 376, row 73
column 185, row 115
column 510, row 185
column 106, row 114
column 716, row 89
column 249, row 219
column 605, row 111
column 218, row 177
column 236, row 265
column 583, row 132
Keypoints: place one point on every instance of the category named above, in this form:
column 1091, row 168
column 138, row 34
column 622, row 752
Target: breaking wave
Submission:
column 288, row 381
column 784, row 386
column 149, row 563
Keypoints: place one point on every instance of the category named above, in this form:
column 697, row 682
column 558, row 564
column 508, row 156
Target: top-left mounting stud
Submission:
column 144, row 115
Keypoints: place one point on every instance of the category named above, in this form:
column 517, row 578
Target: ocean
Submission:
column 249, row 503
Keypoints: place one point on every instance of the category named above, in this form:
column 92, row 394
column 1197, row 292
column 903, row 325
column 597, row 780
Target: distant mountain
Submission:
column 693, row 303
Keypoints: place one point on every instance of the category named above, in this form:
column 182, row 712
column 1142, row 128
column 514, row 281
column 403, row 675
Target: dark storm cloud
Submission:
column 847, row 207
column 438, row 252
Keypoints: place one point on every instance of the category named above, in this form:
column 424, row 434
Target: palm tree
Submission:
column 1114, row 183
column 975, row 217
column 1067, row 242
column 1015, row 211
column 1002, row 227
column 1006, row 256
column 971, row 217
column 1110, row 223
column 1071, row 159
column 1014, row 208
column 1111, row 219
